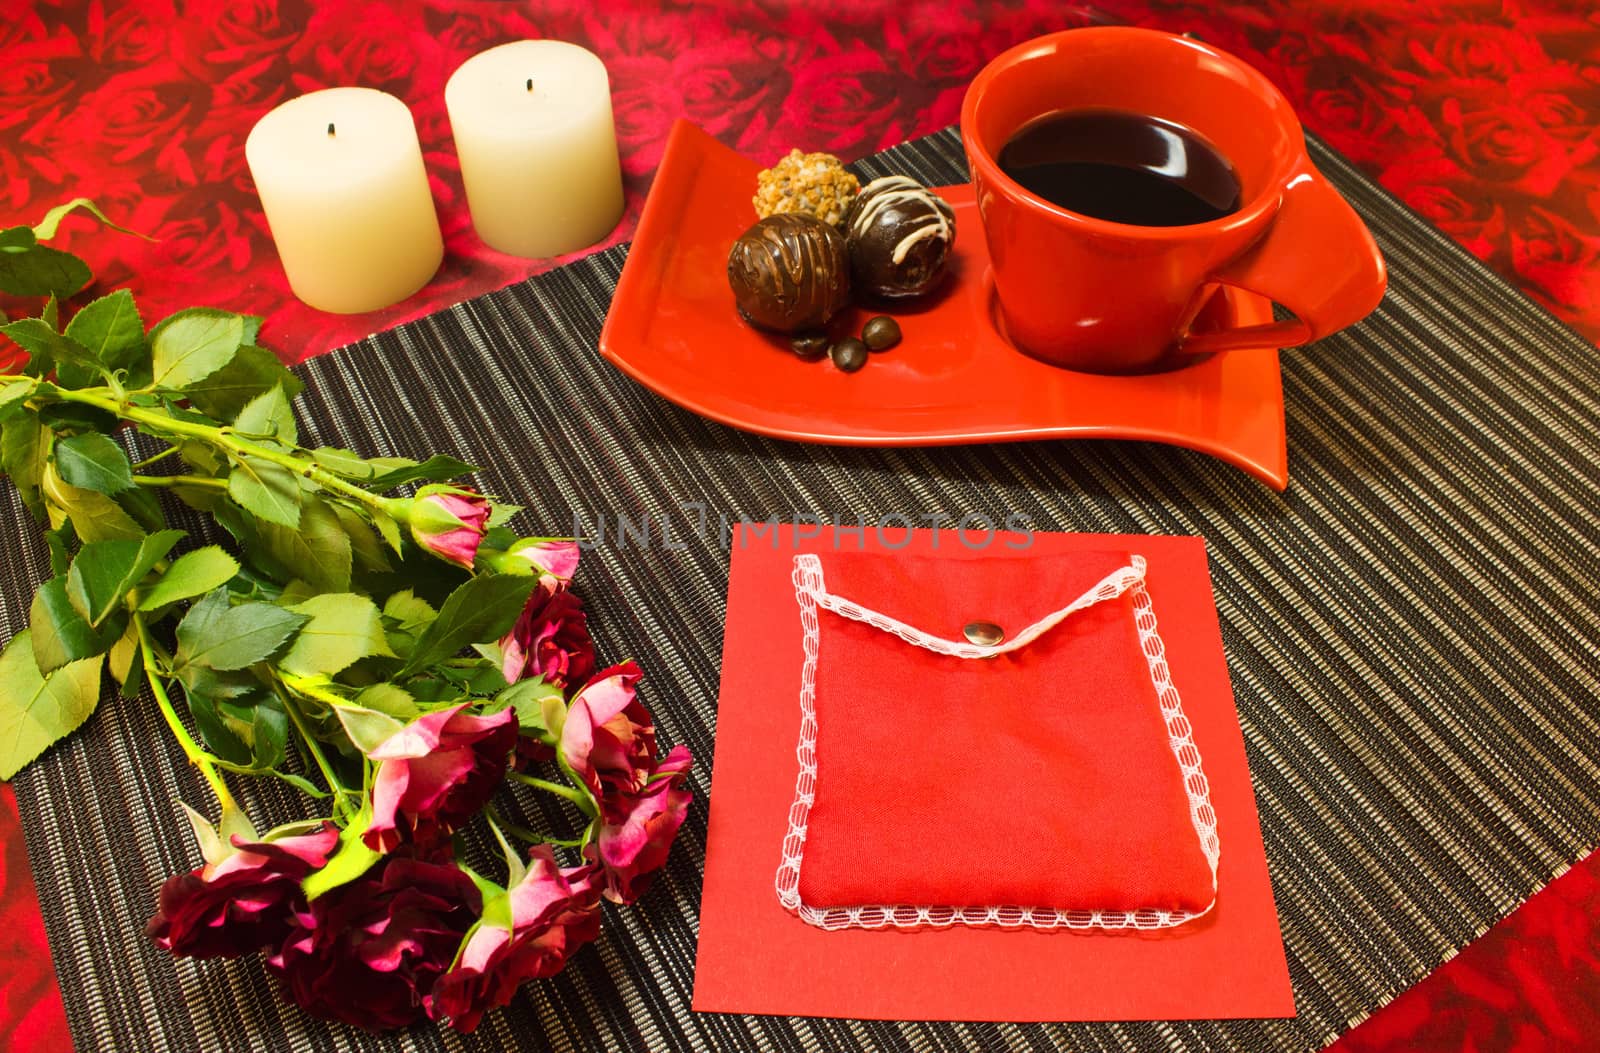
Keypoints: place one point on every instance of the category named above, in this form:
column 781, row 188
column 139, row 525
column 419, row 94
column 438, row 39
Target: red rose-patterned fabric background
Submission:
column 1483, row 115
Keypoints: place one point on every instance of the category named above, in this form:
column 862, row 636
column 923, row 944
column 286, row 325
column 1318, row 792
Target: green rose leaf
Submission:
column 48, row 349
column 60, row 633
column 268, row 416
column 39, row 270
column 318, row 552
column 342, row 629
column 347, row 463
column 95, row 462
column 387, row 698
column 104, row 571
column 52, row 219
column 111, row 332
column 193, row 344
column 251, row 372
column 409, row 610
column 267, row 491
column 144, row 506
column 267, row 724
column 541, row 708
column 368, row 550
column 126, row 662
column 367, row 729
column 483, row 608
column 38, row 709
column 220, row 735
column 25, row 446
column 220, row 636
column 13, row 398
column 191, row 574
column 95, row 517
column 17, row 239
column 438, row 469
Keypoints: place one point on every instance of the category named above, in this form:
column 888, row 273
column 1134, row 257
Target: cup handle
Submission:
column 1317, row 259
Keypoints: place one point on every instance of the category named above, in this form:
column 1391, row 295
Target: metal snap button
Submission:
column 984, row 634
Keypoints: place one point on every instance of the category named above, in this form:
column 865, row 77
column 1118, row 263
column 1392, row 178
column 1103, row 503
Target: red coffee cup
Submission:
column 1105, row 297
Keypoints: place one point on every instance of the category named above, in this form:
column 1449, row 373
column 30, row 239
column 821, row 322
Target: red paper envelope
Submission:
column 1049, row 778
column 938, row 793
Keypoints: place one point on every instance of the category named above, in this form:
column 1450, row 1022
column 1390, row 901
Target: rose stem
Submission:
column 582, row 800
column 191, row 749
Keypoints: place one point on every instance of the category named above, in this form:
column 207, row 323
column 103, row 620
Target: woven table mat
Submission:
column 1412, row 631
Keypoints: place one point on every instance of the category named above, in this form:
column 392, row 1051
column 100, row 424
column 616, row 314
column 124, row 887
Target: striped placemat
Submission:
column 1412, row 630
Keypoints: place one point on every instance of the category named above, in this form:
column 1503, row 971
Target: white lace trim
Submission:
column 812, row 593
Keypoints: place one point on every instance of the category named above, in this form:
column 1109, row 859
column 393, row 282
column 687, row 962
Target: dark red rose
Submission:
column 372, row 44
column 213, row 243
column 609, row 742
column 1506, row 145
column 726, row 84
column 31, row 83
column 243, row 31
column 550, row 641
column 1439, row 189
column 1468, row 49
column 242, row 902
column 132, row 34
column 435, row 774
column 645, row 100
column 368, row 953
column 134, row 122
column 843, row 103
column 531, row 752
column 464, row 32
column 943, row 45
column 552, row 911
column 1558, row 258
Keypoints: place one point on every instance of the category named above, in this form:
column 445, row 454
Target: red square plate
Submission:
column 953, row 378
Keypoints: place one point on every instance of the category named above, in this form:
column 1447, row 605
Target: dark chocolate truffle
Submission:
column 899, row 234
column 789, row 272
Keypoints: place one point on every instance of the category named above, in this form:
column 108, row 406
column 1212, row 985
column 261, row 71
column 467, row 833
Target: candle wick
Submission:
column 530, row 83
column 330, row 129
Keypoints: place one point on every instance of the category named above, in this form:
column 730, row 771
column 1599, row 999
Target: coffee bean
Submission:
column 880, row 333
column 849, row 354
column 810, row 345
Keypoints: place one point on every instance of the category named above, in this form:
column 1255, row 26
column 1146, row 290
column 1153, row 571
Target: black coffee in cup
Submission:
column 1122, row 167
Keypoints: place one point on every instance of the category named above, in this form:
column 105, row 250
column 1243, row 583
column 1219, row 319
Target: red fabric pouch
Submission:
column 1050, row 780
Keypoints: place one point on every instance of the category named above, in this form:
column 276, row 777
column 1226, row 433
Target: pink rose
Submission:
column 637, row 830
column 552, row 912
column 435, row 774
column 369, row 952
column 554, row 560
column 550, row 640
column 446, row 521
column 242, row 902
column 609, row 743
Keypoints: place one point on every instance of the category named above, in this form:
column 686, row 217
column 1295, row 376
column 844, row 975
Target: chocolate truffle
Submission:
column 899, row 235
column 789, row 272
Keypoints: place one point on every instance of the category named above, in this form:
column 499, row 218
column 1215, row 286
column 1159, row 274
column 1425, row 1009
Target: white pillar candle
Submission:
column 533, row 128
column 346, row 196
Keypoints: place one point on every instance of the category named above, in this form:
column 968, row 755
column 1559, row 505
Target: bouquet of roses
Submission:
column 398, row 657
